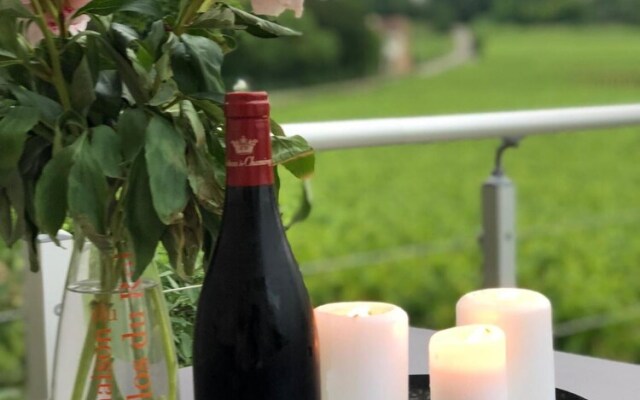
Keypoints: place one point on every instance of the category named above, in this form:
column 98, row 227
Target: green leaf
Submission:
column 127, row 73
column 165, row 155
column 211, row 109
column 156, row 38
column 31, row 239
column 183, row 242
column 8, row 58
column 49, row 110
column 106, row 7
column 82, row 85
column 36, row 155
column 189, row 112
column 6, row 54
column 132, row 126
column 8, row 29
column 127, row 41
column 141, row 220
column 109, row 85
column 276, row 129
column 124, row 36
column 203, row 180
column 69, row 120
column 163, row 67
column 186, row 344
column 87, row 196
column 196, row 63
column 13, row 133
column 7, row 63
column 51, row 192
column 105, row 149
column 260, row 27
column 171, row 241
column 16, row 193
column 12, row 208
column 166, row 93
column 295, row 154
column 302, row 167
column 219, row 17
column 15, row 8
column 144, row 58
column 108, row 95
column 304, row 207
column 92, row 52
column 149, row 8
column 288, row 148
column 6, row 220
column 216, row 150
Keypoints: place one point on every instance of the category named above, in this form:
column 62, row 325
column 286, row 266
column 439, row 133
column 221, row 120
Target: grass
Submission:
column 428, row 43
column 11, row 332
column 519, row 68
column 400, row 224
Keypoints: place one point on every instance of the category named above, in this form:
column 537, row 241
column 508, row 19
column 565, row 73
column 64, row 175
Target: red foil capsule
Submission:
column 248, row 139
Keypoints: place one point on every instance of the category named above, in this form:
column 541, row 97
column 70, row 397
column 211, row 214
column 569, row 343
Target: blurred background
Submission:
column 401, row 224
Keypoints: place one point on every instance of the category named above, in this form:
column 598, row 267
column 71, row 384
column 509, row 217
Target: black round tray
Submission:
column 419, row 390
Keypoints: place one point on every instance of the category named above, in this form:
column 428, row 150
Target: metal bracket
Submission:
column 508, row 142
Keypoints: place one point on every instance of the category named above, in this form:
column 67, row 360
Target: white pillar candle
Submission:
column 525, row 318
column 364, row 351
column 468, row 363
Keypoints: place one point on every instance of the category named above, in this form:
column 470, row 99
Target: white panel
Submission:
column 43, row 296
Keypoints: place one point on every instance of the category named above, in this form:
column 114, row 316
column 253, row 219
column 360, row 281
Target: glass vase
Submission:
column 114, row 338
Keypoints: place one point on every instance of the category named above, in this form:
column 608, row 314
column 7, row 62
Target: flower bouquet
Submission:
column 111, row 122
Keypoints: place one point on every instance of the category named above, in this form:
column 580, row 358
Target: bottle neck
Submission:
column 248, row 144
column 257, row 198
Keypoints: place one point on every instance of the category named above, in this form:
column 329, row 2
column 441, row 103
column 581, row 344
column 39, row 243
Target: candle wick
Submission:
column 359, row 312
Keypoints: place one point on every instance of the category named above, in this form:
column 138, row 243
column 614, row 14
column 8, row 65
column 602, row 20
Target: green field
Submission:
column 400, row 224
column 427, row 43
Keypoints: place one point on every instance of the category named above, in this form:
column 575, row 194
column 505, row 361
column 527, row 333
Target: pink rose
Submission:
column 74, row 25
column 277, row 7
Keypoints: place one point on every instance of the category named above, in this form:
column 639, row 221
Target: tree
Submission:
column 336, row 43
column 528, row 11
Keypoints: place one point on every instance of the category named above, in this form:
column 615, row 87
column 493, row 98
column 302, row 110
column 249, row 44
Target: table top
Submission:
column 591, row 378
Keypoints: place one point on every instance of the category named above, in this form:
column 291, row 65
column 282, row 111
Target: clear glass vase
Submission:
column 114, row 339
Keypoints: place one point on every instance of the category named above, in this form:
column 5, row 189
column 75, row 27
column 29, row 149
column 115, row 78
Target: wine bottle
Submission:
column 255, row 336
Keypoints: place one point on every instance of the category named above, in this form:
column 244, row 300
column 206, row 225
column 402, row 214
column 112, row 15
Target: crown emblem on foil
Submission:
column 243, row 145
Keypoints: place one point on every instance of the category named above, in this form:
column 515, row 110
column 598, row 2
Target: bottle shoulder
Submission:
column 251, row 225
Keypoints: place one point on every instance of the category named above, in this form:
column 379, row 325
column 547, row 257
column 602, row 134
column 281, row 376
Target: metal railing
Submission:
column 498, row 192
column 335, row 135
column 499, row 200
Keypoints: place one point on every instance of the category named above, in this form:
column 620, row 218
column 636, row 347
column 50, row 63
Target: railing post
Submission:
column 498, row 223
column 498, row 238
column 43, row 296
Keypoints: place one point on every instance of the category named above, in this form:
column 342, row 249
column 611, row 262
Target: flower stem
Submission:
column 54, row 56
column 56, row 10
column 101, row 310
column 167, row 343
column 186, row 15
column 86, row 361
